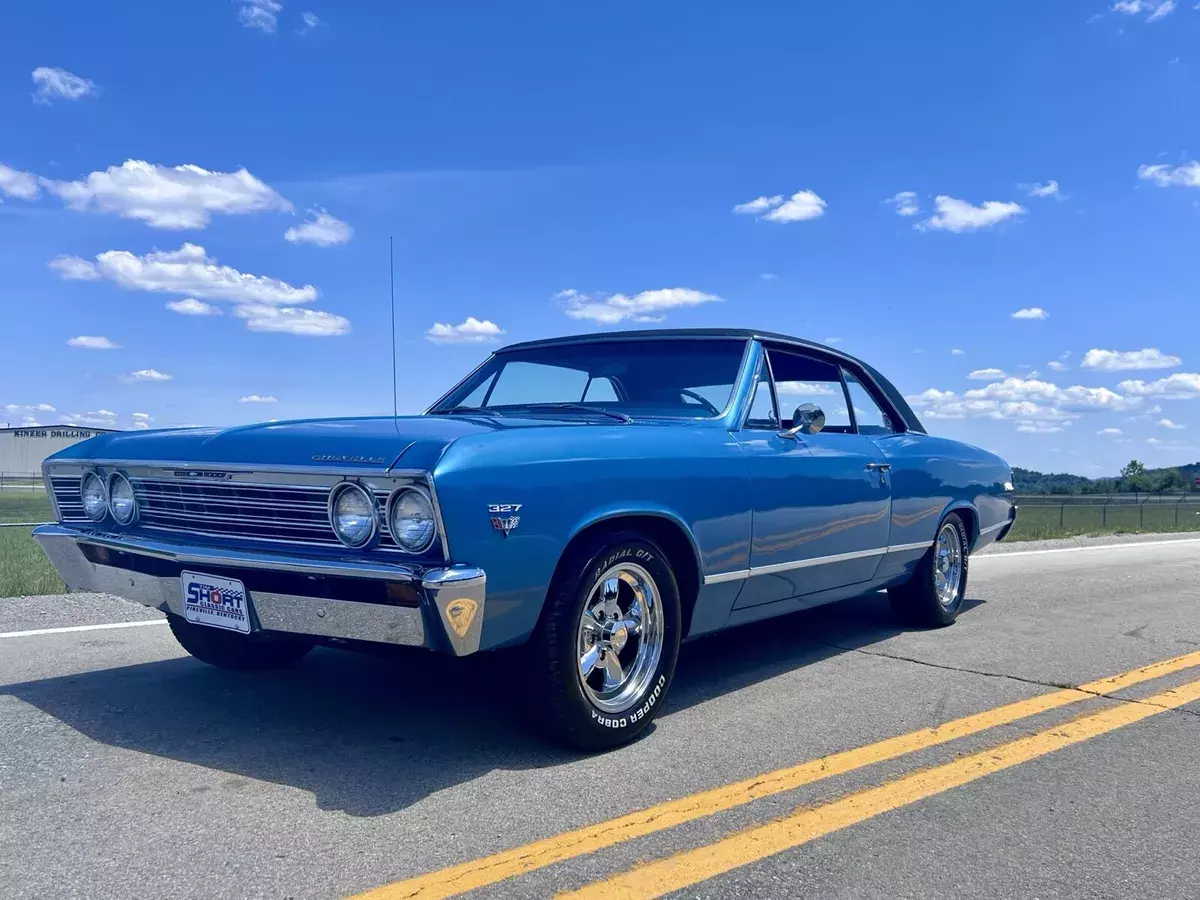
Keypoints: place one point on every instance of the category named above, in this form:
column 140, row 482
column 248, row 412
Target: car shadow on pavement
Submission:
column 369, row 735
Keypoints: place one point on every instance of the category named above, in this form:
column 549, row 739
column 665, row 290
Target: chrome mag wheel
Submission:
column 947, row 565
column 620, row 638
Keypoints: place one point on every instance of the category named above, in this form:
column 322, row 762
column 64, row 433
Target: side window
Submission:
column 801, row 379
column 600, row 390
column 871, row 419
column 762, row 405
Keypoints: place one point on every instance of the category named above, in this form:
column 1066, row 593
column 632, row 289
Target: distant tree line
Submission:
column 1134, row 478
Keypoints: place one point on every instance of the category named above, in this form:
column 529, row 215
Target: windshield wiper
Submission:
column 477, row 410
column 620, row 417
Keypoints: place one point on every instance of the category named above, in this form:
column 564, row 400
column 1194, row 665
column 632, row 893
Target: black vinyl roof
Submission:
column 894, row 397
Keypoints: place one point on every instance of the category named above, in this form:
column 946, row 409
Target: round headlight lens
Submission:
column 94, row 496
column 121, row 501
column 410, row 518
column 352, row 514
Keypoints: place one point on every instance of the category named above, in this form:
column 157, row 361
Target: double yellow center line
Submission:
column 690, row 867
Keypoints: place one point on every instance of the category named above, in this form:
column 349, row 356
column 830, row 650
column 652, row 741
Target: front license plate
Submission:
column 219, row 602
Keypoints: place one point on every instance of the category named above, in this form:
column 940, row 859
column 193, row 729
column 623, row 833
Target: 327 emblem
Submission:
column 504, row 516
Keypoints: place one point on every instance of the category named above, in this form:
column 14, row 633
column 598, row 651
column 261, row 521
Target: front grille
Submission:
column 281, row 513
column 66, row 496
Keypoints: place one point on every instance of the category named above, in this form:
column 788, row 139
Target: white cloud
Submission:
column 800, row 206
column 1026, row 399
column 1049, row 189
column 1167, row 423
column 175, row 197
column 758, row 205
column 1031, row 312
column 959, row 215
column 139, row 425
column 147, row 375
column 72, row 268
column 805, row 388
column 145, row 417
column 321, row 229
column 93, row 342
column 101, row 418
column 1116, row 360
column 986, row 374
column 310, row 21
column 832, row 340
column 957, row 352
column 905, row 203
column 260, row 14
column 1155, row 11
column 472, row 331
column 22, row 185
column 648, row 306
column 255, row 398
column 1035, row 427
column 1184, row 175
column 1110, row 432
column 1058, row 365
column 58, row 84
column 188, row 270
column 768, row 276
column 292, row 320
column 1180, row 386
column 193, row 307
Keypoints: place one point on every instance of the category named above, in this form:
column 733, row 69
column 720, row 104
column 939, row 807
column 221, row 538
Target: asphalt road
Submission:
column 128, row 770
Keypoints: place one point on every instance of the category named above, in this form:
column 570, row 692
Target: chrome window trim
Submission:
column 776, row 568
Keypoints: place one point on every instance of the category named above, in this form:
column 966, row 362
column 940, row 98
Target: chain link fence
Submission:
column 1080, row 512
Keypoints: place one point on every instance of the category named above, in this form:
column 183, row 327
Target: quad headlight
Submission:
column 352, row 514
column 94, row 496
column 411, row 520
column 121, row 500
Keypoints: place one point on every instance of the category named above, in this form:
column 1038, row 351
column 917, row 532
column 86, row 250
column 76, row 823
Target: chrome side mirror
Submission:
column 807, row 419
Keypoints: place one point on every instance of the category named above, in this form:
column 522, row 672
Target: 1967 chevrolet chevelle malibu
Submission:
column 594, row 500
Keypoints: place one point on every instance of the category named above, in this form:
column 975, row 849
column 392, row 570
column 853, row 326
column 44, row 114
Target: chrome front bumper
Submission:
column 446, row 612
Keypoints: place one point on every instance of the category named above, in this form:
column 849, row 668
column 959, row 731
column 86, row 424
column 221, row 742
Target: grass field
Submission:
column 24, row 569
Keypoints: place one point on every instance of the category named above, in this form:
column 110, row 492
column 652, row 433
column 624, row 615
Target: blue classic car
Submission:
column 594, row 500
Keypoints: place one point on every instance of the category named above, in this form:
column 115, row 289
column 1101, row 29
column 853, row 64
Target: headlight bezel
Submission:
column 83, row 483
column 334, row 494
column 426, row 496
column 112, row 509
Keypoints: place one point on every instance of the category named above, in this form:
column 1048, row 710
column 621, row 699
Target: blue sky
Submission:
column 551, row 168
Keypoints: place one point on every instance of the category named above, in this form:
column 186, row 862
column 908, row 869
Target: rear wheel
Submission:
column 934, row 594
column 604, row 653
column 231, row 650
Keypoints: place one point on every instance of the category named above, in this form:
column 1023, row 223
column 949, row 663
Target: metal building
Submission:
column 23, row 449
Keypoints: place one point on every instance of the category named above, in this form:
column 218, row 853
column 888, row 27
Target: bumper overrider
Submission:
column 353, row 600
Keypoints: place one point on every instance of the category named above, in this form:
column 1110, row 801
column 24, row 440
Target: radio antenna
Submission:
column 392, row 279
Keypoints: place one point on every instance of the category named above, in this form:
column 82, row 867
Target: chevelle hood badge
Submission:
column 339, row 457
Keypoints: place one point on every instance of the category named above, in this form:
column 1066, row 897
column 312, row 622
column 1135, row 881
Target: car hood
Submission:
column 376, row 444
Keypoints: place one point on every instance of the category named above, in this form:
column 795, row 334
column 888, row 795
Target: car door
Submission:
column 821, row 501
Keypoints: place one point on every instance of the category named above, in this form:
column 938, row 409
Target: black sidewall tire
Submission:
column 563, row 713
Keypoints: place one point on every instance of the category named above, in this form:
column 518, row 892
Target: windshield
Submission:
column 678, row 378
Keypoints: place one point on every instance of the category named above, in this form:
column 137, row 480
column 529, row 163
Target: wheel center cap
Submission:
column 618, row 637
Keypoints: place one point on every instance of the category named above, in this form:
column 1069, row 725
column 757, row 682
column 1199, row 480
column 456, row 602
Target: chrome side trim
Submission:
column 996, row 527
column 776, row 568
column 241, row 467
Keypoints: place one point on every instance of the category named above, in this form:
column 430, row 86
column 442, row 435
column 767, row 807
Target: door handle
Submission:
column 882, row 467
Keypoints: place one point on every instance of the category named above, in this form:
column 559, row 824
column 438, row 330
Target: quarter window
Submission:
column 868, row 415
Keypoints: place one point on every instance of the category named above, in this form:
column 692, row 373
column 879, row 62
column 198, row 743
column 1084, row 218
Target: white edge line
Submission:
column 1127, row 546
column 73, row 628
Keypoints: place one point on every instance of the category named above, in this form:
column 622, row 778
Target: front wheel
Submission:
column 934, row 594
column 604, row 653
